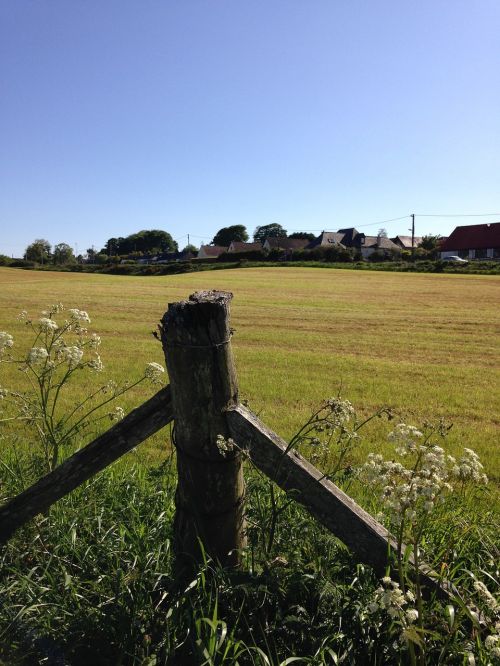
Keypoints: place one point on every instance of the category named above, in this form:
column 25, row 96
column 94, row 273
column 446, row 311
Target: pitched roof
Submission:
column 212, row 250
column 405, row 241
column 350, row 234
column 287, row 243
column 378, row 242
column 328, row 238
column 239, row 246
column 473, row 237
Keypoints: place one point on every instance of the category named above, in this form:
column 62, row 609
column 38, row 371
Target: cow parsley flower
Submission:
column 72, row 354
column 341, row 411
column 117, row 414
column 95, row 341
column 79, row 315
column 153, row 372
column 37, row 355
column 6, row 341
column 470, row 468
column 96, row 364
column 47, row 325
column 224, row 445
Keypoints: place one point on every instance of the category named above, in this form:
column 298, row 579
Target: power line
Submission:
column 370, row 224
column 458, row 215
column 394, row 219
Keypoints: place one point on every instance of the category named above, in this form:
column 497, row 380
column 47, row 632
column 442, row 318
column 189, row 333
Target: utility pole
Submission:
column 413, row 234
column 188, row 239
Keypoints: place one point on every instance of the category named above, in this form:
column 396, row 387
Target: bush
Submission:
column 234, row 257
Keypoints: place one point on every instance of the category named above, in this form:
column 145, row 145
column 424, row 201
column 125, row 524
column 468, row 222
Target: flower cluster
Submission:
column 492, row 643
column 391, row 598
column 72, row 354
column 60, row 349
column 117, row 414
column 154, row 372
column 469, row 468
column 6, row 341
column 340, row 411
column 46, row 324
column 79, row 315
column 409, row 492
column 225, row 446
column 37, row 356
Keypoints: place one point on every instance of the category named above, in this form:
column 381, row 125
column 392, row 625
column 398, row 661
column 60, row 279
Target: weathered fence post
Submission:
column 210, row 492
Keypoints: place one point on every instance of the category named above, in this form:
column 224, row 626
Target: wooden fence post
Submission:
column 209, row 500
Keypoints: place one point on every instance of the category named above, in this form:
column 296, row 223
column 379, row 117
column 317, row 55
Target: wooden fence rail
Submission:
column 203, row 400
column 137, row 426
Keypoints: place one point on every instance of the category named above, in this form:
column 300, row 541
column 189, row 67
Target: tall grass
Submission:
column 92, row 582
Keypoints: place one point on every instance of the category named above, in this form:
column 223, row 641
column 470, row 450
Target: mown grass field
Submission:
column 426, row 345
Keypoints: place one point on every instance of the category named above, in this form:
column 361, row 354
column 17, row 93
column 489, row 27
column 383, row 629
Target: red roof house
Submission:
column 475, row 241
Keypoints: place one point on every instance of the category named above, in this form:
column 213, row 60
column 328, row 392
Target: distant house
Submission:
column 367, row 245
column 404, row 242
column 287, row 244
column 211, row 251
column 475, row 241
column 352, row 238
column 327, row 239
column 239, row 246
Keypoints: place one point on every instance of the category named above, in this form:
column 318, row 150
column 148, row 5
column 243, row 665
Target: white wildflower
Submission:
column 6, row 341
column 37, row 355
column 224, row 445
column 110, row 387
column 94, row 341
column 470, row 468
column 72, row 354
column 154, row 372
column 341, row 410
column 22, row 315
column 117, row 414
column 411, row 615
column 96, row 364
column 491, row 641
column 3, row 393
column 79, row 315
column 47, row 324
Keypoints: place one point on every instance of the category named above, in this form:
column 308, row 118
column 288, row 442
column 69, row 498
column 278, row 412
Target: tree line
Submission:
column 155, row 241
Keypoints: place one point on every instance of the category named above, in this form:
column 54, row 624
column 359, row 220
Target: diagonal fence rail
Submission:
column 137, row 426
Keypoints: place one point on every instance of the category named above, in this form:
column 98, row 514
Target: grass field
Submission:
column 426, row 345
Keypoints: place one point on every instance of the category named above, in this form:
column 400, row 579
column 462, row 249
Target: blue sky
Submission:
column 189, row 116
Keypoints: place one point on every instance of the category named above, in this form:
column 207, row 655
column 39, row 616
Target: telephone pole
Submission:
column 413, row 234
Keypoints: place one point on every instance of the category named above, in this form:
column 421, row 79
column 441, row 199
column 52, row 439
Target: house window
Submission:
column 496, row 252
column 480, row 254
column 463, row 254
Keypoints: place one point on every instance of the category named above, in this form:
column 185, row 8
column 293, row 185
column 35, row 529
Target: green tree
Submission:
column 91, row 255
column 306, row 235
column 38, row 251
column 190, row 248
column 273, row 230
column 224, row 237
column 63, row 254
column 145, row 241
column 430, row 243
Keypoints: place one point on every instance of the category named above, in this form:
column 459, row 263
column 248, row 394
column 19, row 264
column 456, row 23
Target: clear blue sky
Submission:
column 192, row 115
